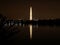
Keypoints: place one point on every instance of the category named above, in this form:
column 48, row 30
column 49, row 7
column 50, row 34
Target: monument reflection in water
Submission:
column 30, row 19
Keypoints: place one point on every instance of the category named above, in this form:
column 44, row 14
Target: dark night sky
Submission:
column 20, row 9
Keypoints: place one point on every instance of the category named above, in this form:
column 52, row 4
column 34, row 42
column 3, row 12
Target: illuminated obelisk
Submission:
column 30, row 12
column 30, row 19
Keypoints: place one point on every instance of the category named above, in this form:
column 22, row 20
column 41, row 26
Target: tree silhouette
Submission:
column 2, row 21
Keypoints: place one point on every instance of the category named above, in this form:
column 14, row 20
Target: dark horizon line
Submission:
column 32, row 22
column 3, row 20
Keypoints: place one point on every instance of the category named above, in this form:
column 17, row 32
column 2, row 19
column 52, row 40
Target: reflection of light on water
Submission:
column 9, row 23
column 35, row 26
column 20, row 24
column 16, row 24
column 30, row 31
column 23, row 25
column 5, row 24
column 12, row 23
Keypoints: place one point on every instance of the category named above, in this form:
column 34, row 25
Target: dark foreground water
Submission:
column 40, row 35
